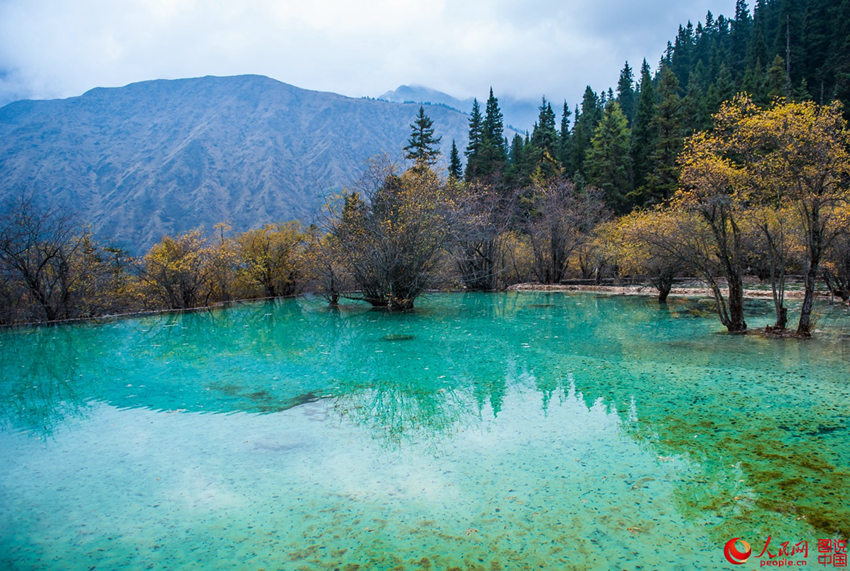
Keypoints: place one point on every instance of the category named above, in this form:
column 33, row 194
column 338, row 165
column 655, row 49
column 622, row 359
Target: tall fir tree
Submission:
column 682, row 59
column 607, row 163
column 839, row 59
column 754, row 83
column 742, row 27
column 545, row 146
column 643, row 136
column 493, row 153
column 473, row 147
column 455, row 166
column 775, row 80
column 585, row 124
column 725, row 85
column 626, row 96
column 817, row 28
column 516, row 173
column 663, row 177
column 697, row 116
column 564, row 139
column 422, row 147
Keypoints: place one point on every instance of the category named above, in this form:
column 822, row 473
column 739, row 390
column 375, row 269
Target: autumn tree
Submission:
column 224, row 259
column 42, row 255
column 796, row 153
column 649, row 243
column 836, row 265
column 271, row 258
column 175, row 272
column 773, row 230
column 708, row 185
column 560, row 220
column 326, row 267
column 480, row 218
column 391, row 231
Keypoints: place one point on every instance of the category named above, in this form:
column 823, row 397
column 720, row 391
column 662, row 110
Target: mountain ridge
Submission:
column 165, row 156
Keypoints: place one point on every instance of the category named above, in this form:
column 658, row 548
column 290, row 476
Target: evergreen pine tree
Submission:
column 757, row 52
column 725, row 85
column 607, row 162
column 741, row 31
column 663, row 177
column 455, row 166
column 545, row 145
column 626, row 93
column 682, row 58
column 643, row 135
column 564, row 139
column 754, row 83
column 585, row 124
column 422, row 147
column 516, row 173
column 816, row 38
column 775, row 80
column 493, row 153
column 697, row 117
column 838, row 61
column 473, row 148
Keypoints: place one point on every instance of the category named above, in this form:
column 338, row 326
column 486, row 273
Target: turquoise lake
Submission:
column 482, row 431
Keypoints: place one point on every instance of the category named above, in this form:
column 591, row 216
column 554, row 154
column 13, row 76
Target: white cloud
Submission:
column 356, row 47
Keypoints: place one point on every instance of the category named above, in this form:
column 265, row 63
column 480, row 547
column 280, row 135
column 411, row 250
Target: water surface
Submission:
column 505, row 431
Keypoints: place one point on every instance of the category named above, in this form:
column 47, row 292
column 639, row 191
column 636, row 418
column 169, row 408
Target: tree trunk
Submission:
column 663, row 284
column 736, row 304
column 804, row 326
column 816, row 247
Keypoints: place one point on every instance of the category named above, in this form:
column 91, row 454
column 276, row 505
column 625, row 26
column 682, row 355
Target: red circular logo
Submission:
column 733, row 554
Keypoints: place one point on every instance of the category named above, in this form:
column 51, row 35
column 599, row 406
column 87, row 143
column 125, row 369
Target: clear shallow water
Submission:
column 503, row 431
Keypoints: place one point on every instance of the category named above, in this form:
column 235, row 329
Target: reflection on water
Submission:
column 616, row 425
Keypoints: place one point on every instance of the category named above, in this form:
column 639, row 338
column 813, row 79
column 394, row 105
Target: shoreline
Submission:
column 643, row 290
column 648, row 290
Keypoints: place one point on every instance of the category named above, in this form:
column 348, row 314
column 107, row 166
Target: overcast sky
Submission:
column 61, row 48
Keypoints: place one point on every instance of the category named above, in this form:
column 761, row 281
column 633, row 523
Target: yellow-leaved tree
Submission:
column 650, row 243
column 796, row 154
column 762, row 162
column 272, row 258
column 708, row 186
column 176, row 271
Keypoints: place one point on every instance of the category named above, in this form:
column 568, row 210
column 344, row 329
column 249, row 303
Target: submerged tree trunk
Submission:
column 736, row 305
column 815, row 239
column 663, row 283
column 805, row 324
column 731, row 314
column 777, row 286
